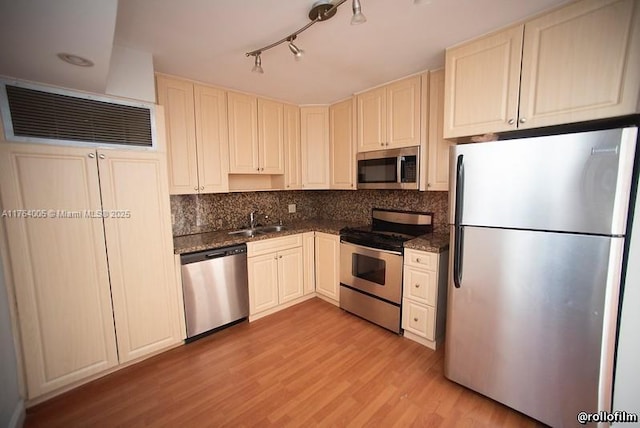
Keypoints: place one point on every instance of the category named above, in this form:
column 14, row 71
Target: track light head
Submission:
column 296, row 51
column 257, row 65
column 358, row 17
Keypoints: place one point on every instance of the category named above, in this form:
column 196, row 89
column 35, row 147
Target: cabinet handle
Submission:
column 257, row 169
column 523, row 119
column 202, row 188
column 418, row 260
column 415, row 319
column 195, row 188
column 261, row 169
column 511, row 121
column 101, row 156
column 91, row 155
column 417, row 285
column 280, row 257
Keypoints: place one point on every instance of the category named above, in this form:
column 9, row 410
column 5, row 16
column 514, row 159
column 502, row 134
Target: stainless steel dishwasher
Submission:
column 216, row 288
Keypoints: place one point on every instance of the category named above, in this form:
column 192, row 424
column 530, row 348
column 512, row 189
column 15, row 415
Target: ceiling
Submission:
column 206, row 40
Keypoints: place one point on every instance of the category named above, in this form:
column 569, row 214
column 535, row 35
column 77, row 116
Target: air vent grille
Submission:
column 52, row 116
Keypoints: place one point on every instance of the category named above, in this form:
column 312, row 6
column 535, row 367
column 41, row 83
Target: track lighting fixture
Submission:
column 296, row 51
column 358, row 17
column 257, row 65
column 320, row 11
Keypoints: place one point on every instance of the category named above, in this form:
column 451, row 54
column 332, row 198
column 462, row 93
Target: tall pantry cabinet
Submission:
column 89, row 240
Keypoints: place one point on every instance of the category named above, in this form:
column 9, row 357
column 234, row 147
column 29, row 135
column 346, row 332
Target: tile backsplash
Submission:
column 216, row 211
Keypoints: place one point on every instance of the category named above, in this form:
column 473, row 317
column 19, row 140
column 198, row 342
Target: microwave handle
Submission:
column 399, row 169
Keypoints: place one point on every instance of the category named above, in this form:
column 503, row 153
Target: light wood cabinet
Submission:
column 389, row 116
column 256, row 135
column 276, row 274
column 243, row 133
column 270, row 136
column 63, row 285
column 309, row 252
column 328, row 266
column 437, row 171
column 424, row 296
column 341, row 148
column 197, row 137
column 263, row 283
column 581, row 62
column 577, row 63
column 292, row 155
column 314, row 140
column 146, row 298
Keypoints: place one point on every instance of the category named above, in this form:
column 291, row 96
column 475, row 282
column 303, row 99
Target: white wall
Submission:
column 11, row 404
column 131, row 74
column 626, row 394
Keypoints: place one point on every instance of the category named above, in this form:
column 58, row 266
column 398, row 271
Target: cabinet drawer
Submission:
column 418, row 319
column 265, row 246
column 421, row 259
column 420, row 285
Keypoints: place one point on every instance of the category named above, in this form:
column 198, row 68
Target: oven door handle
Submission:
column 379, row 250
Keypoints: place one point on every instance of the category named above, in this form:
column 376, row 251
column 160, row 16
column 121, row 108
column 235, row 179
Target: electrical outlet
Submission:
column 292, row 208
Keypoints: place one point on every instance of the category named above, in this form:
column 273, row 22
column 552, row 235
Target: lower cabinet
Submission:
column 89, row 251
column 328, row 266
column 424, row 296
column 276, row 274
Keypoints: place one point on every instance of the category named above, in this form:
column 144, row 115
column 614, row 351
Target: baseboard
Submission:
column 18, row 416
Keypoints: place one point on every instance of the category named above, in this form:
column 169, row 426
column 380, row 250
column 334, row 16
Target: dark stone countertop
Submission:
column 218, row 239
column 431, row 242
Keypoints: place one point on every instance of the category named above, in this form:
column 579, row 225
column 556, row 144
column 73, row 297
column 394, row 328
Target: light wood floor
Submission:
column 309, row 365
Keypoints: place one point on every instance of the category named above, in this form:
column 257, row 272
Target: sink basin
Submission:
column 258, row 230
column 270, row 229
column 245, row 232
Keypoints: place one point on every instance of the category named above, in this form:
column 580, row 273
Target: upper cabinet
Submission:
column 341, row 149
column 314, row 141
column 196, row 130
column 437, row 165
column 389, row 116
column 256, row 135
column 577, row 63
column 292, row 156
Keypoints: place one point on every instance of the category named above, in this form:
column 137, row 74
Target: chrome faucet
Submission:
column 252, row 219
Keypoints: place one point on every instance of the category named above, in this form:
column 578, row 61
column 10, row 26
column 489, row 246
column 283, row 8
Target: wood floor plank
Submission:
column 309, row 365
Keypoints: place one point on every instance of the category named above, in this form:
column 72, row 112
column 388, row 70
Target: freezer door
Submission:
column 532, row 324
column 572, row 182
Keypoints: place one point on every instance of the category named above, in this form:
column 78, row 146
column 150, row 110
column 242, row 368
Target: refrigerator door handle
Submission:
column 459, row 229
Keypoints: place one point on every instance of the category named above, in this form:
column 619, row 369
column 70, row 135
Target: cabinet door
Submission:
column 290, row 274
column 420, row 285
column 271, row 136
column 242, row 112
column 292, row 156
column 178, row 100
column 419, row 319
column 314, row 141
column 403, row 113
column 59, row 263
column 437, row 146
column 309, row 251
column 581, row 62
column 212, row 139
column 482, row 81
column 327, row 265
column 372, row 121
column 263, row 282
column 140, row 248
column 342, row 156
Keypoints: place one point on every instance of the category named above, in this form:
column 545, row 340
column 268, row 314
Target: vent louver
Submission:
column 53, row 116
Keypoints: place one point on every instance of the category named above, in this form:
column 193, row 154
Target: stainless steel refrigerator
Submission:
column 537, row 239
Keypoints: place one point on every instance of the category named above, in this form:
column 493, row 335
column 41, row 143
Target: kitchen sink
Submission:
column 249, row 233
column 269, row 229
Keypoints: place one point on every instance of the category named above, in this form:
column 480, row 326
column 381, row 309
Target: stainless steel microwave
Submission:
column 389, row 169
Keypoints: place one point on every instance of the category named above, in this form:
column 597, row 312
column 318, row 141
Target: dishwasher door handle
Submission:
column 215, row 255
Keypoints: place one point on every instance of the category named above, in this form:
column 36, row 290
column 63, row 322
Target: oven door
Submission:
column 373, row 271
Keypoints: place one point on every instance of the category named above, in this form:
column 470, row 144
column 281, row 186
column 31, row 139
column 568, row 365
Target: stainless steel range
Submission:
column 371, row 259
